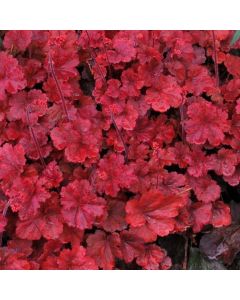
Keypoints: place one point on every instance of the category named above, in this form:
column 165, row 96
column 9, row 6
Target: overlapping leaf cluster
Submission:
column 112, row 139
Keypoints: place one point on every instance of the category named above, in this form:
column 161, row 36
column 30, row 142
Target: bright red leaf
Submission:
column 206, row 123
column 156, row 210
column 80, row 204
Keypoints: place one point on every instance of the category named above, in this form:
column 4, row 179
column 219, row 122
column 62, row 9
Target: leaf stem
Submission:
column 215, row 58
column 111, row 113
column 4, row 212
column 186, row 252
column 181, row 110
column 53, row 73
column 93, row 58
column 32, row 133
column 121, row 138
column 109, row 65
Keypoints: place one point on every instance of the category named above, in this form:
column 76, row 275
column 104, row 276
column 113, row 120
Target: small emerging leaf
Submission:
column 235, row 37
column 198, row 262
column 222, row 243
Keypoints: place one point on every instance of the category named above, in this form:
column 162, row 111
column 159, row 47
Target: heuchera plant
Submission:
column 112, row 140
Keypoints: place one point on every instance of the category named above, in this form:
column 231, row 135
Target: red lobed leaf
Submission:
column 155, row 210
column 80, row 204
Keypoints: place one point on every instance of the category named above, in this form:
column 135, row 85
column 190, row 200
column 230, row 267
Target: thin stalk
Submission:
column 35, row 139
column 215, row 58
column 186, row 253
column 184, row 191
column 158, row 171
column 121, row 138
column 109, row 65
column 182, row 121
column 93, row 58
column 111, row 113
column 153, row 38
column 4, row 215
column 58, row 86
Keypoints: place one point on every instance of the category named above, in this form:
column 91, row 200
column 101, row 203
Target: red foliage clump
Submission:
column 112, row 141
